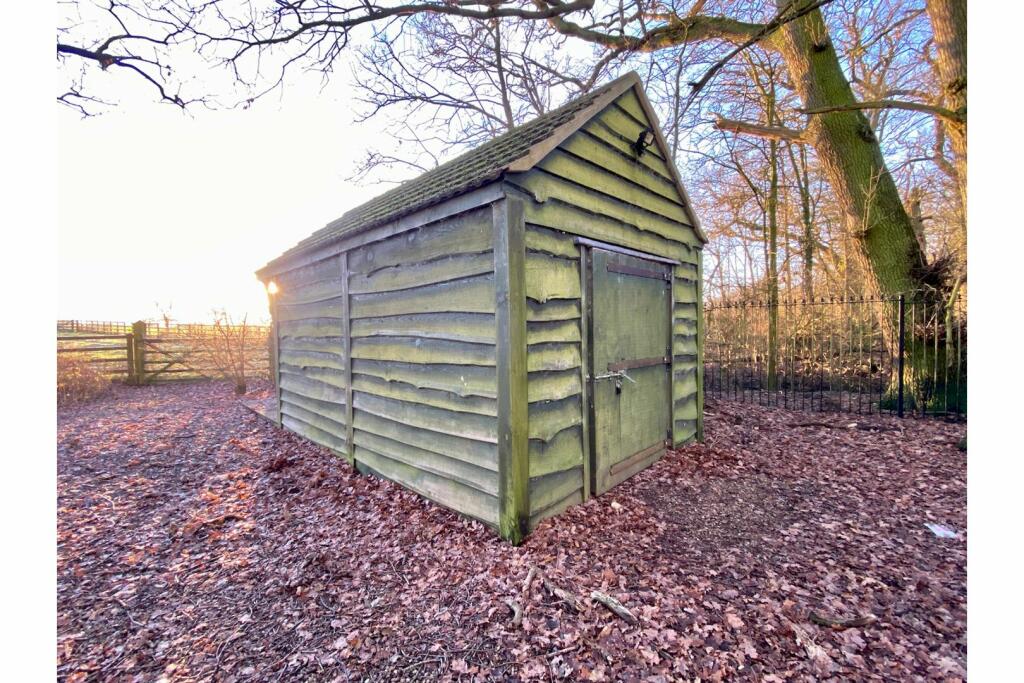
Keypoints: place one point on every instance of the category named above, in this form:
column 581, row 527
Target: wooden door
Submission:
column 630, row 362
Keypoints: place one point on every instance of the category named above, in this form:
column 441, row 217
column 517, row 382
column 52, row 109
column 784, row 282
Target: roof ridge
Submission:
column 497, row 140
column 522, row 146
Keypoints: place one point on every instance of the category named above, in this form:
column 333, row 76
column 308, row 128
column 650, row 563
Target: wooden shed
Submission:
column 512, row 332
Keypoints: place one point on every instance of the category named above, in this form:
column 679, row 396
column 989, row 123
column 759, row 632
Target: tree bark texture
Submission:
column 851, row 159
column 949, row 26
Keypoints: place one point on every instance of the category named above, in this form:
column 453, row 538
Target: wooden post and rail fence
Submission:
column 147, row 352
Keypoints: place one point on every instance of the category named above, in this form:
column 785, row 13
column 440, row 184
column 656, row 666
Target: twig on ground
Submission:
column 850, row 425
column 215, row 521
column 841, row 624
column 518, row 607
column 529, row 580
column 562, row 594
column 517, row 612
column 819, row 658
column 615, row 606
column 562, row 651
column 127, row 611
column 395, row 571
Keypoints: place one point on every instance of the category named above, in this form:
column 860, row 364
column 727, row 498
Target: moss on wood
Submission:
column 553, row 242
column 478, row 453
column 465, row 425
column 552, row 356
column 329, row 410
column 464, row 234
column 314, row 434
column 562, row 309
column 469, row 295
column 462, row 380
column 550, row 277
column 601, row 179
column 553, row 385
column 430, row 397
column 411, row 275
column 549, row 418
column 479, row 478
column 419, row 350
column 447, row 492
column 476, row 328
column 310, row 359
column 564, row 451
column 311, row 388
column 552, row 331
column 547, row 490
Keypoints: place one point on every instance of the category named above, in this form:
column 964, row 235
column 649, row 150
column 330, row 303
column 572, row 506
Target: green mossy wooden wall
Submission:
column 430, row 391
column 594, row 186
column 421, row 307
column 309, row 316
column 423, row 362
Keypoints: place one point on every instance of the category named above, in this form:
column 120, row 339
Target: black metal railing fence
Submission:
column 902, row 355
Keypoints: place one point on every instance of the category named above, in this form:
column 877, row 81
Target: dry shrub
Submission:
column 230, row 348
column 78, row 380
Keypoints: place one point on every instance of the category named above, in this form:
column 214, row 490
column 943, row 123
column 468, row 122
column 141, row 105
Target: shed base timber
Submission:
column 265, row 408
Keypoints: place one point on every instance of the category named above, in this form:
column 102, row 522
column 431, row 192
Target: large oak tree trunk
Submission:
column 851, row 159
column 850, row 156
column 893, row 258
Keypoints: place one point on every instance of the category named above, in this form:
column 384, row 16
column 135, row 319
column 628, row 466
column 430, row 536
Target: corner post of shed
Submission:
column 346, row 337
column 274, row 343
column 700, row 345
column 510, row 317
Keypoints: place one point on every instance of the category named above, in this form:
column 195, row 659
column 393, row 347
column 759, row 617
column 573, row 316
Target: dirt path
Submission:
column 197, row 542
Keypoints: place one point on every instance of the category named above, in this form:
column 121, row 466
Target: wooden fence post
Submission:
column 139, row 351
column 129, row 342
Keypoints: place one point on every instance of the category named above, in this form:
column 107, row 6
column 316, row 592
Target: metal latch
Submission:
column 618, row 375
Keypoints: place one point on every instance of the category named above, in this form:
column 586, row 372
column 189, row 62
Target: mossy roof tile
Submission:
column 466, row 172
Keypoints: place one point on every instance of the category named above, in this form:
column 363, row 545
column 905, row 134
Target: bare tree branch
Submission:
column 935, row 110
column 674, row 31
column 767, row 132
column 458, row 82
column 146, row 35
column 790, row 12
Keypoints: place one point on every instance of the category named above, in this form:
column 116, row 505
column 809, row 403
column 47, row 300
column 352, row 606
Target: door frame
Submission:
column 586, row 247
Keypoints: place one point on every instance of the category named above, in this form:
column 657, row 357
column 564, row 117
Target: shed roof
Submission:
column 517, row 150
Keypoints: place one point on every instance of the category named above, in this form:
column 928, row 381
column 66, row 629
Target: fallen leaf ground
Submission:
column 198, row 542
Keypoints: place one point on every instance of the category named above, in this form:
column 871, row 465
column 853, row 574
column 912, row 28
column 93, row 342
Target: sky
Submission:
column 159, row 209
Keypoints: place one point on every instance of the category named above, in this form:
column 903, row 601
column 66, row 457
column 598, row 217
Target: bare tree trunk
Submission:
column 916, row 219
column 506, row 103
column 772, row 247
column 949, row 26
column 807, row 238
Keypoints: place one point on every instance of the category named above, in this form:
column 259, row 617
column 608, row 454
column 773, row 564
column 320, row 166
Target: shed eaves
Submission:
column 466, row 172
